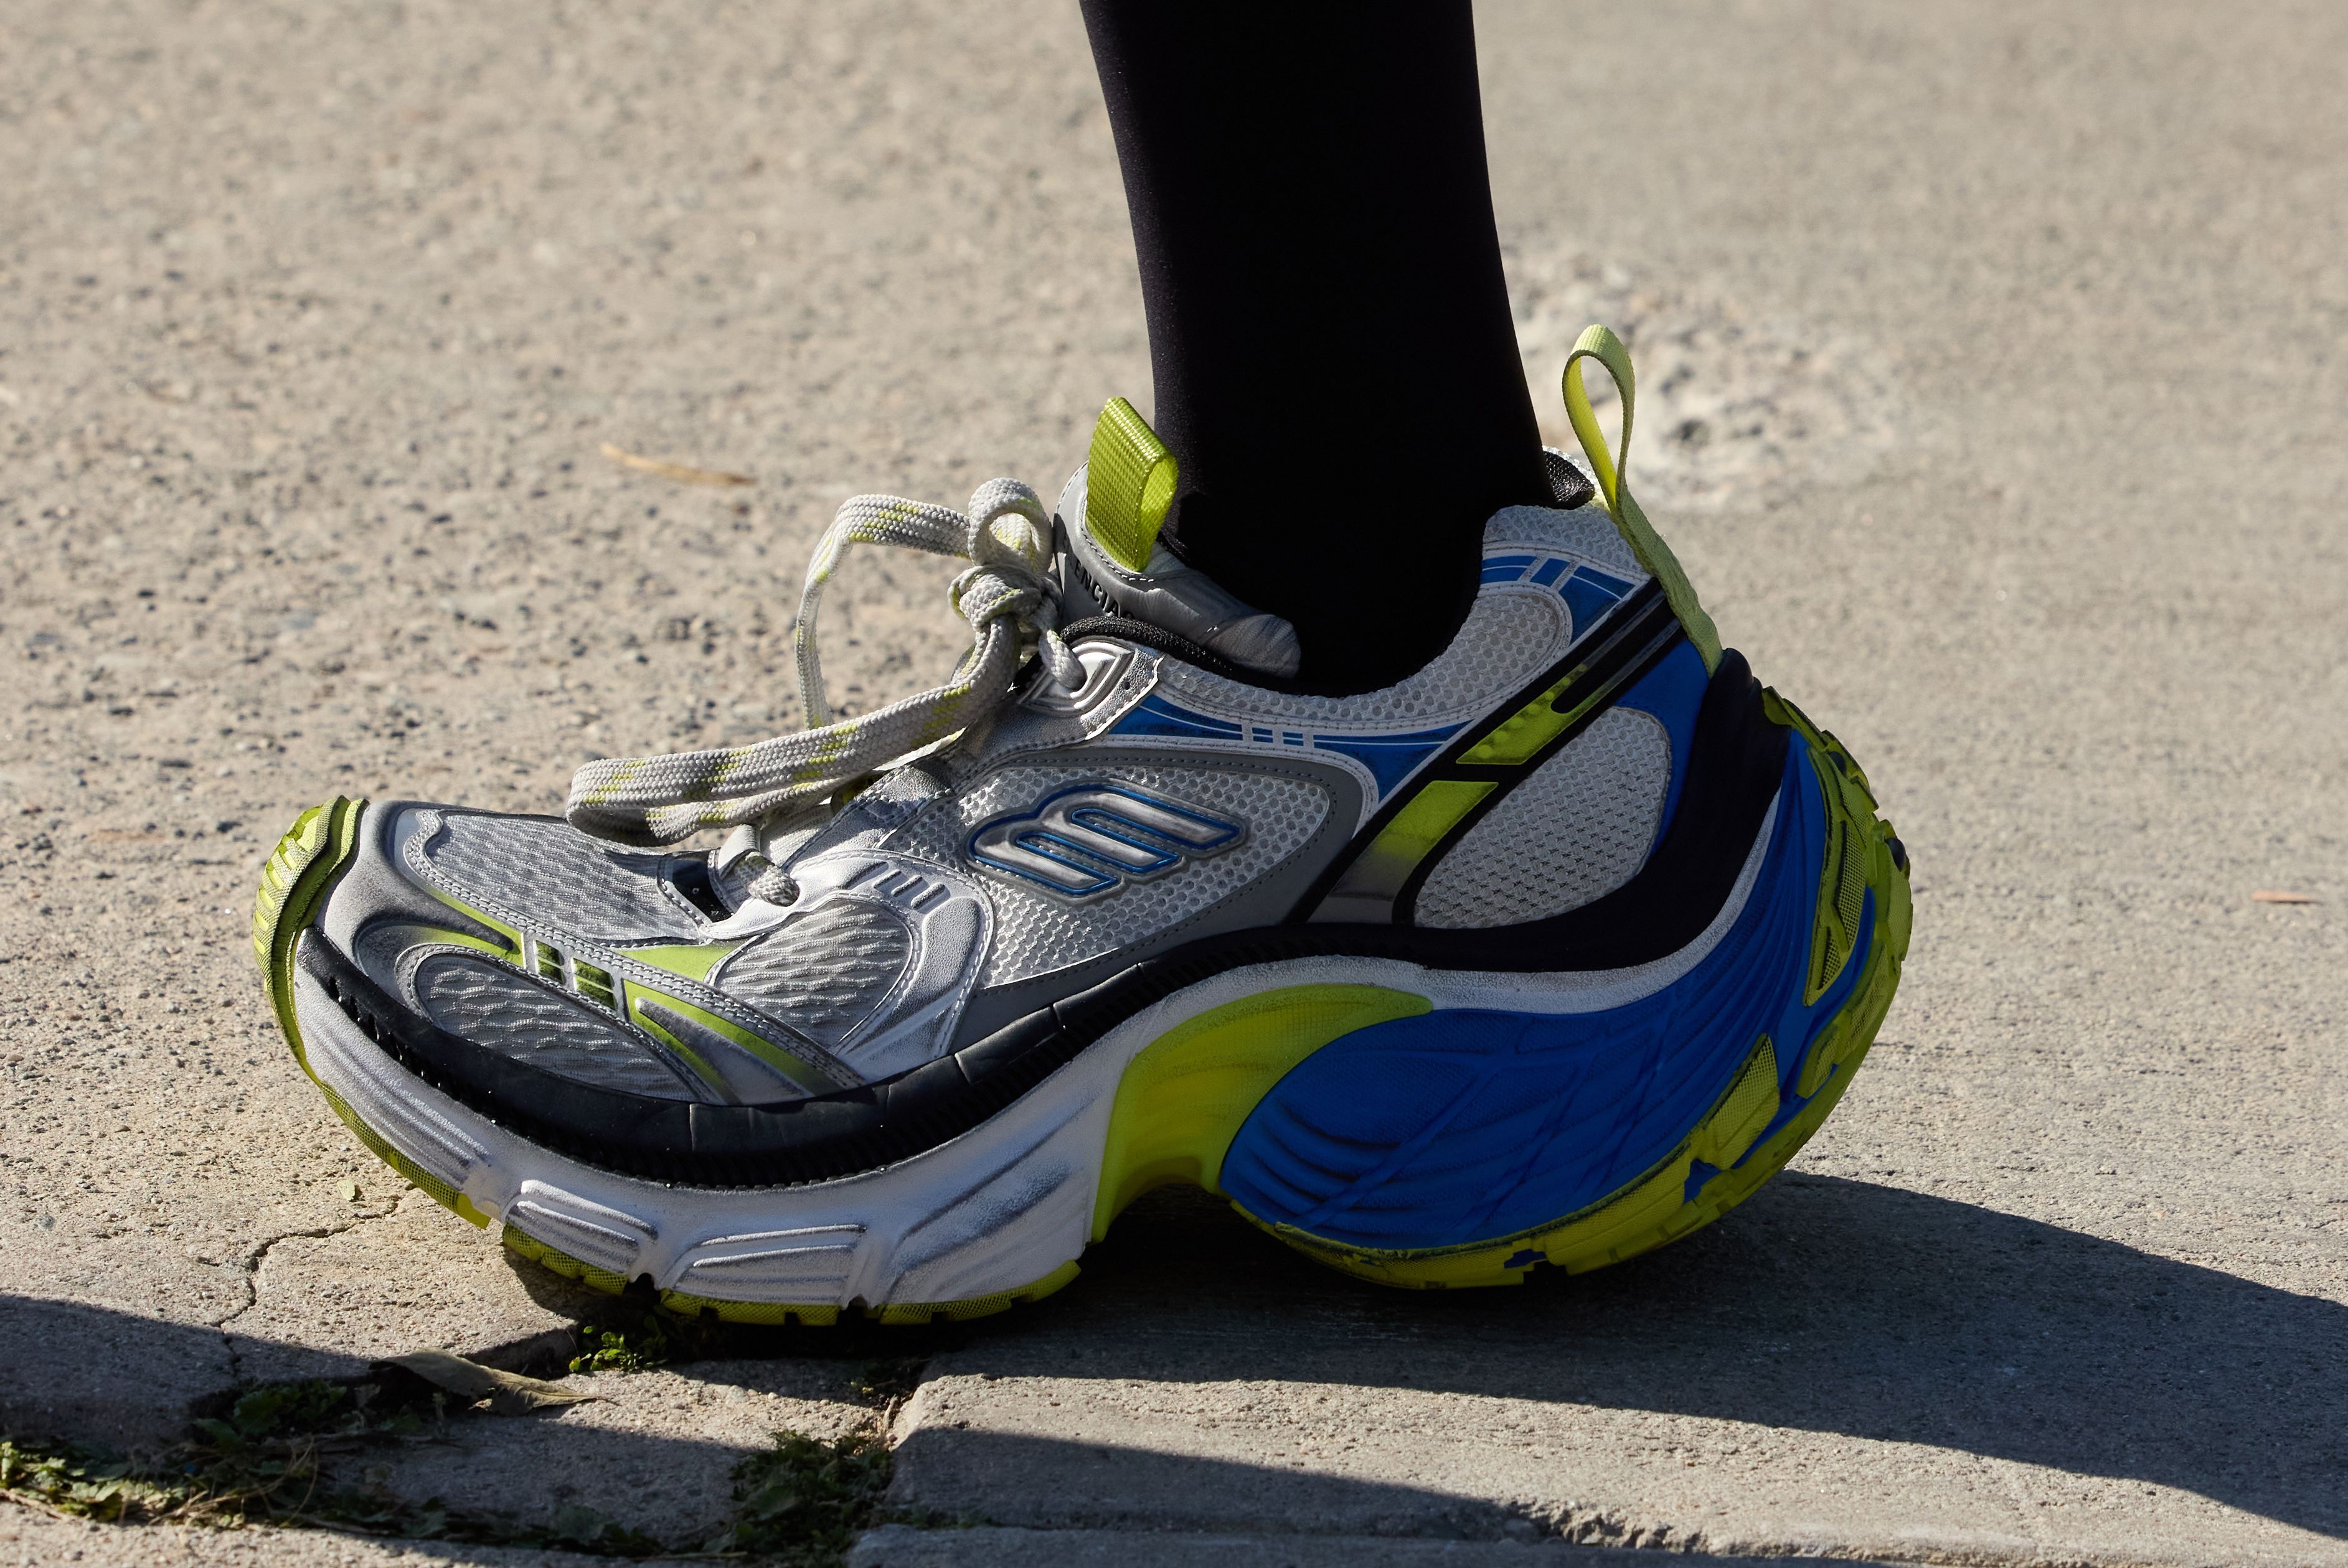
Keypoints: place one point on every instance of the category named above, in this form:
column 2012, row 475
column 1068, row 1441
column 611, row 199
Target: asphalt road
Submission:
column 1995, row 361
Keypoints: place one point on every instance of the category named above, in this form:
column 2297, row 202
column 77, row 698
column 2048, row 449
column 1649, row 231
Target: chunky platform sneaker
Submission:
column 1544, row 955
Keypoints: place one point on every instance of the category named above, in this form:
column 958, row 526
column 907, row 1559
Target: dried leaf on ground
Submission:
column 509, row 1393
column 683, row 472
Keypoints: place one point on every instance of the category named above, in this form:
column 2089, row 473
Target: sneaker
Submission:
column 1543, row 957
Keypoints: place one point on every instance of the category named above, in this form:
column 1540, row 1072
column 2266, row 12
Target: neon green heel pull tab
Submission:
column 1129, row 485
column 1614, row 485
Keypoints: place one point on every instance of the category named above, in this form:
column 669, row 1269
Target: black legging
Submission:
column 1329, row 332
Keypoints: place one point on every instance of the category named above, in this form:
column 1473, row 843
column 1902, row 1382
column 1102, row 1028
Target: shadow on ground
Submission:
column 1828, row 1304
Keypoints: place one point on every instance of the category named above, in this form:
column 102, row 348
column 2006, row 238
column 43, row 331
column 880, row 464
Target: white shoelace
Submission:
column 1005, row 597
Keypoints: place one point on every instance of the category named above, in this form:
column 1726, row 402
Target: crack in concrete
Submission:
column 890, row 1389
column 251, row 1263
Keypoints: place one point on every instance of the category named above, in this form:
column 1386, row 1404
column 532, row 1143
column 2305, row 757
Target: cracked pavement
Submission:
column 1995, row 362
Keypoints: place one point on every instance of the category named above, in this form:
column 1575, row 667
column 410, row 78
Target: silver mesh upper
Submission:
column 1036, row 932
column 492, row 1006
column 1589, row 533
column 1575, row 831
column 551, row 870
column 823, row 972
column 1506, row 639
column 1580, row 826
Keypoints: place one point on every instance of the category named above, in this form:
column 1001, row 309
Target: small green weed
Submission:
column 259, row 1462
column 800, row 1504
column 802, row 1501
column 88, row 1483
column 616, row 1351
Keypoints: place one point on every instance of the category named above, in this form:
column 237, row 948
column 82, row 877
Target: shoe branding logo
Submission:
column 1090, row 841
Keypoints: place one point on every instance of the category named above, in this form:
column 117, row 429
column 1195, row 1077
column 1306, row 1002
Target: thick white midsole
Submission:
column 994, row 1210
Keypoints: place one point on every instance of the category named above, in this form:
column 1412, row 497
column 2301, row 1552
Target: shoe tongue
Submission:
column 1111, row 553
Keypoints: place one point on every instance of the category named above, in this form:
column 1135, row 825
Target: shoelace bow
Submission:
column 1009, row 602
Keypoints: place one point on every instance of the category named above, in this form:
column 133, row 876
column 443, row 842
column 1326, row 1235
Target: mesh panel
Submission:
column 1590, row 534
column 506, row 1012
column 1037, row 932
column 1567, row 483
column 1506, row 639
column 552, row 871
column 1576, row 830
column 823, row 972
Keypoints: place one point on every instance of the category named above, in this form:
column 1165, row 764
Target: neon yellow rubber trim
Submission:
column 1129, row 479
column 463, row 939
column 1857, row 852
column 523, row 1244
column 1381, row 869
column 294, row 881
column 1182, row 1100
column 770, row 1314
column 1614, row 485
column 1434, row 811
column 692, row 962
column 518, row 947
column 781, row 1060
column 1524, row 732
column 1749, row 1106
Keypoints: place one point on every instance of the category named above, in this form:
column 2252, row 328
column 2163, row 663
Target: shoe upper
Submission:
column 1088, row 826
column 921, row 912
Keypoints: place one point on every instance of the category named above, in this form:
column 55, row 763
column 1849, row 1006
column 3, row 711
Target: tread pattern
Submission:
column 808, row 1314
column 1733, row 1150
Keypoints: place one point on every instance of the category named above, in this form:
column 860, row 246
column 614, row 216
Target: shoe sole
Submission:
column 1000, row 1214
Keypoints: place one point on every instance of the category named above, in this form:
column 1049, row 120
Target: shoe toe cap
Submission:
column 463, row 919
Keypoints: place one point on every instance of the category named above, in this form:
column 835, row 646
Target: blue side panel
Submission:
column 1588, row 601
column 1673, row 691
column 1390, row 758
column 1505, row 569
column 1154, row 715
column 1470, row 1124
column 1606, row 582
column 1549, row 571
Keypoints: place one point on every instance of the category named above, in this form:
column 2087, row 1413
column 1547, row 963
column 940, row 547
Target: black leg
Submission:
column 1334, row 362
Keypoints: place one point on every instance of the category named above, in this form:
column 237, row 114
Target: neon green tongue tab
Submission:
column 1129, row 485
column 1614, row 485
